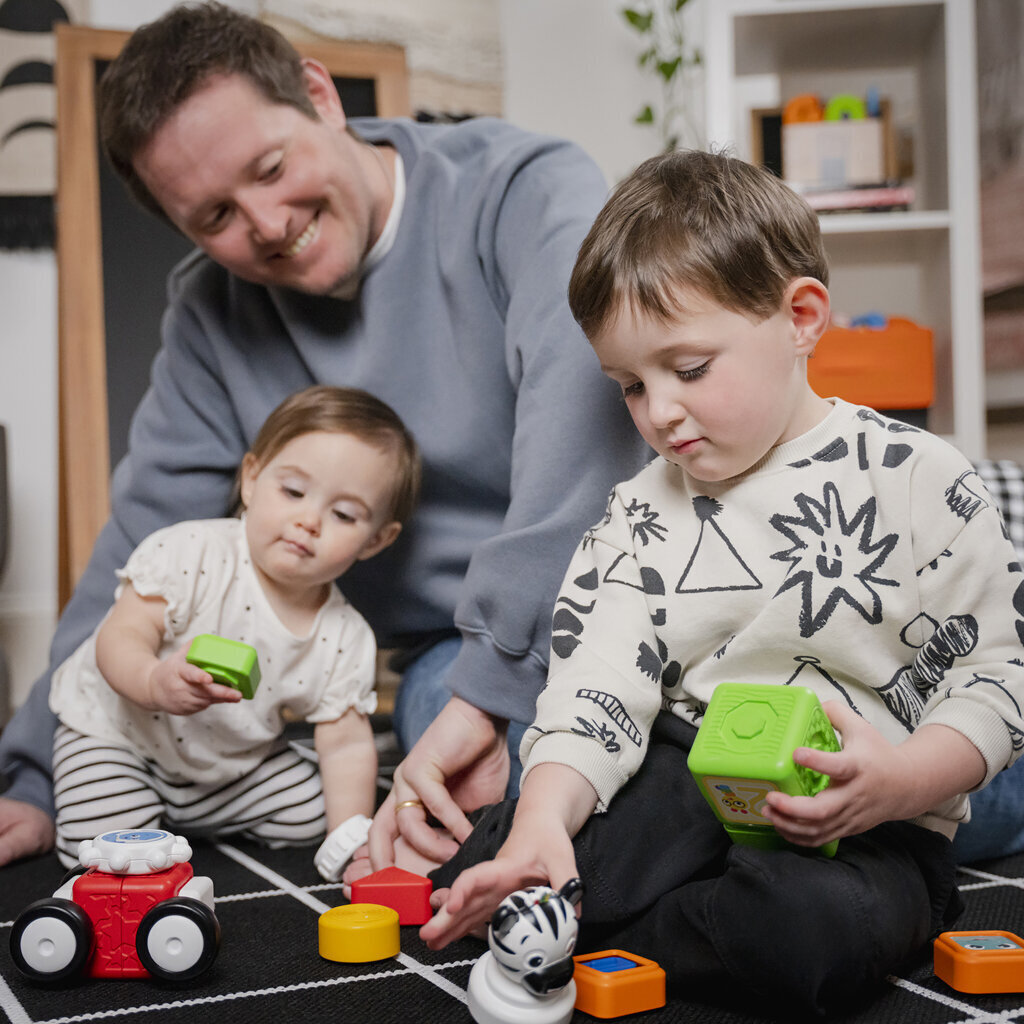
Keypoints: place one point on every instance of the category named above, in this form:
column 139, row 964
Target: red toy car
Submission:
column 136, row 911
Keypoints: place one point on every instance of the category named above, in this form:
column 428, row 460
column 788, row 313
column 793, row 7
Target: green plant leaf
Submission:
column 646, row 57
column 668, row 68
column 646, row 116
column 679, row 5
column 640, row 20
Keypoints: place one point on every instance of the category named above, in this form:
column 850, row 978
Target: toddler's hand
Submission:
column 179, row 688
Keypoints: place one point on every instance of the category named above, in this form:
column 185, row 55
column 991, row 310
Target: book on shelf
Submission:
column 861, row 198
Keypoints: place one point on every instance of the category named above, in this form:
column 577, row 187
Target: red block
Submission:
column 401, row 890
column 116, row 904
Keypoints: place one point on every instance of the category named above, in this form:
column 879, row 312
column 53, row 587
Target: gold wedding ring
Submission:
column 408, row 803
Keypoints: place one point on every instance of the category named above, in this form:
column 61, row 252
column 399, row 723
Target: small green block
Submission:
column 228, row 661
column 744, row 750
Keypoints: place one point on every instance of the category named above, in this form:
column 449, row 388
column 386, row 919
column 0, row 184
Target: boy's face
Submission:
column 319, row 505
column 713, row 391
column 268, row 193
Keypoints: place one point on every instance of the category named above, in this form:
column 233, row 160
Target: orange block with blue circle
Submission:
column 744, row 751
column 980, row 961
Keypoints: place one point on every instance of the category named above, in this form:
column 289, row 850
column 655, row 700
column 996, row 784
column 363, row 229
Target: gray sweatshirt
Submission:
column 464, row 329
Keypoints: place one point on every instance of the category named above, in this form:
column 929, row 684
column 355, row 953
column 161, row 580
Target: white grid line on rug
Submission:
column 227, row 997
column 974, row 1014
column 988, row 880
column 11, row 1006
column 425, row 971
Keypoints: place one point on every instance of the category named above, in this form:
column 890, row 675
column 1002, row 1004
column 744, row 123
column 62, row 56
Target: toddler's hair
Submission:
column 347, row 411
column 701, row 221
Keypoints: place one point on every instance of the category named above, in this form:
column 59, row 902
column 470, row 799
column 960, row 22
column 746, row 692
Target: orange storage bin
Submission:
column 891, row 367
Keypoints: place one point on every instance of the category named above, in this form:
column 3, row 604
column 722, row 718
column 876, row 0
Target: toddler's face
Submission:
column 712, row 390
column 319, row 505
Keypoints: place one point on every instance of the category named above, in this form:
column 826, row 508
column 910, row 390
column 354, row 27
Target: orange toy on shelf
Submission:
column 891, row 367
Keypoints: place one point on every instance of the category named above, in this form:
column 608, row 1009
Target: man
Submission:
column 425, row 264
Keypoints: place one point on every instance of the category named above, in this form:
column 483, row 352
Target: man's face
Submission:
column 275, row 197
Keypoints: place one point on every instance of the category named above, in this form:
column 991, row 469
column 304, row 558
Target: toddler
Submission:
column 146, row 739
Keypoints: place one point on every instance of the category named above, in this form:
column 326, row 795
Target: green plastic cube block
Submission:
column 744, row 750
column 229, row 662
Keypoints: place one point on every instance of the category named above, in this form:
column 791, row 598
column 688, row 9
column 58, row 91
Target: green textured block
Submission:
column 229, row 662
column 744, row 750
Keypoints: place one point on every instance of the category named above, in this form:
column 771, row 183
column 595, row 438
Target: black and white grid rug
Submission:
column 268, row 970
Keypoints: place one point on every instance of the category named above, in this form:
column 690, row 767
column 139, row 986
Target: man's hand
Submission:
column 25, row 831
column 179, row 688
column 873, row 780
column 460, row 763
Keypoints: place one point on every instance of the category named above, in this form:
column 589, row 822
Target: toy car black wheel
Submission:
column 51, row 940
column 178, row 939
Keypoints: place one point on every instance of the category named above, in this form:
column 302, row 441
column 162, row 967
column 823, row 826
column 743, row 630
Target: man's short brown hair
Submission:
column 695, row 220
column 166, row 61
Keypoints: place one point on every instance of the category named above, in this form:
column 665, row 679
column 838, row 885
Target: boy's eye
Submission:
column 292, row 492
column 693, row 374
column 632, row 390
column 343, row 516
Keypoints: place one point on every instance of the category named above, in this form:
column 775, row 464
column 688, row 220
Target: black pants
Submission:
column 803, row 932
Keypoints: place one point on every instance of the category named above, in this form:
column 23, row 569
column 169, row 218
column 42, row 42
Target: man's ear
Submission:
column 323, row 92
column 809, row 308
column 247, row 478
column 383, row 538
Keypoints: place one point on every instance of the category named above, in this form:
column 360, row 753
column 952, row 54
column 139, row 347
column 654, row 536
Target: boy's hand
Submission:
column 179, row 688
column 873, row 780
column 554, row 803
column 535, row 853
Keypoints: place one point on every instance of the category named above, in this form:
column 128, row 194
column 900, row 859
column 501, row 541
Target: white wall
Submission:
column 569, row 69
column 28, row 408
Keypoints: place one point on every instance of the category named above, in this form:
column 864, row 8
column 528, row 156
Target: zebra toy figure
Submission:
column 525, row 977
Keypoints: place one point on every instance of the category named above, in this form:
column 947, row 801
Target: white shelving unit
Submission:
column 923, row 263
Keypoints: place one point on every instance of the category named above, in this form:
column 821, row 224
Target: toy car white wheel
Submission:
column 178, row 939
column 51, row 940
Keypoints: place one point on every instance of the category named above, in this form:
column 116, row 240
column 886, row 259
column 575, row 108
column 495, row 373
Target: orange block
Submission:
column 613, row 983
column 981, row 961
column 891, row 367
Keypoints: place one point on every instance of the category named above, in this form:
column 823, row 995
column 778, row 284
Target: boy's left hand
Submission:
column 872, row 780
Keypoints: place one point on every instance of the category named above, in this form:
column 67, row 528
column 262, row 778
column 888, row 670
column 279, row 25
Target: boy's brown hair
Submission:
column 696, row 220
column 166, row 61
column 347, row 411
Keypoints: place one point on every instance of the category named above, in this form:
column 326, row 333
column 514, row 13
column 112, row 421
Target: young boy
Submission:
column 778, row 537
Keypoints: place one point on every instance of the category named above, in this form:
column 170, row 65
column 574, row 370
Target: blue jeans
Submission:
column 422, row 693
column 996, row 828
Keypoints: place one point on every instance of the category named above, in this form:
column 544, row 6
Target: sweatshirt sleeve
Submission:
column 604, row 687
column 572, row 436
column 969, row 642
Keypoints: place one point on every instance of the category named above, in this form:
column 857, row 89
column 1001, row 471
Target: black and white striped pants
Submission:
column 99, row 787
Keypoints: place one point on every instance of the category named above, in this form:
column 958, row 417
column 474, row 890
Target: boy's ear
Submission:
column 384, row 538
column 809, row 308
column 247, row 478
column 323, row 92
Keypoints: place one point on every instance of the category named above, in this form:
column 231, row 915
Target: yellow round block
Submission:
column 359, row 933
